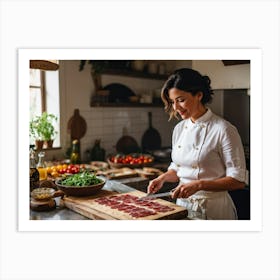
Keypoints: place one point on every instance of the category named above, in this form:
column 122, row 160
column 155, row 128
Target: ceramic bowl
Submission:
column 80, row 190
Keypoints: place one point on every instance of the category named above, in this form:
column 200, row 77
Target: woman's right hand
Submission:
column 155, row 185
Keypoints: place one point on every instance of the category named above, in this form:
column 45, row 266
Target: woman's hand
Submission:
column 155, row 185
column 186, row 190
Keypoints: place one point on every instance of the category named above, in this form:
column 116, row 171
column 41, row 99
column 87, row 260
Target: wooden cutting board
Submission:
column 119, row 173
column 77, row 126
column 89, row 207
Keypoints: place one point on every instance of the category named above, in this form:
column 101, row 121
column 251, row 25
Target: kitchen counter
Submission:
column 63, row 213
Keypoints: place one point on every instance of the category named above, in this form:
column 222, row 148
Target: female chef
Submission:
column 207, row 153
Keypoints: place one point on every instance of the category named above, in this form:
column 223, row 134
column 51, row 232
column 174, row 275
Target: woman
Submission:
column 207, row 153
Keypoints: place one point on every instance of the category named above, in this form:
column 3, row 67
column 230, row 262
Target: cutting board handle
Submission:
column 150, row 119
column 76, row 113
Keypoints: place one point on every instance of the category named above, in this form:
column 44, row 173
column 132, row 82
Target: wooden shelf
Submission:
column 134, row 74
column 95, row 104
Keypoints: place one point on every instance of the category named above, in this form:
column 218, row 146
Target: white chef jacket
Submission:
column 208, row 149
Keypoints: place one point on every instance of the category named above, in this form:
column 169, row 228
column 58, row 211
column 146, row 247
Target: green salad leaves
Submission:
column 85, row 178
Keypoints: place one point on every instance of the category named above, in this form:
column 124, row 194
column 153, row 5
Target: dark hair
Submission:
column 187, row 80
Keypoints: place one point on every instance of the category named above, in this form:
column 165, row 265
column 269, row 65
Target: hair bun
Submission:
column 207, row 80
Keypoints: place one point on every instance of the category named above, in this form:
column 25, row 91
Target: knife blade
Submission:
column 156, row 195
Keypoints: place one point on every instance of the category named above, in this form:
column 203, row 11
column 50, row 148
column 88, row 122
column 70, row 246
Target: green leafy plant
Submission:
column 42, row 127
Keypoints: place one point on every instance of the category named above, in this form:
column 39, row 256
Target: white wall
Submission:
column 224, row 77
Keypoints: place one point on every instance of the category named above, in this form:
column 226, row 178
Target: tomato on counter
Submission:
column 131, row 159
column 57, row 170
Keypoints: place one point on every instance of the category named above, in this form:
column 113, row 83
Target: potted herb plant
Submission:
column 34, row 134
column 42, row 129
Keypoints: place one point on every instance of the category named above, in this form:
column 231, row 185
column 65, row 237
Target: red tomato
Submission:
column 74, row 169
column 63, row 170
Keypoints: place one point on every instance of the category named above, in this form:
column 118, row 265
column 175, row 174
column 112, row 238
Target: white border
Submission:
column 254, row 224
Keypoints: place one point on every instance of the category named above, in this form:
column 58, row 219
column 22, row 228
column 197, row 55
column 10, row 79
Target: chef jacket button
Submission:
column 178, row 165
column 179, row 146
column 186, row 127
column 202, row 126
column 195, row 147
column 194, row 166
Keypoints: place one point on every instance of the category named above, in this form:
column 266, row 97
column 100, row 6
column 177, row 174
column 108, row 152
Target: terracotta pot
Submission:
column 49, row 144
column 39, row 144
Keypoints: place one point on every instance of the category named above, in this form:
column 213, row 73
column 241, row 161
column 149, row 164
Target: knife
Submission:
column 156, row 195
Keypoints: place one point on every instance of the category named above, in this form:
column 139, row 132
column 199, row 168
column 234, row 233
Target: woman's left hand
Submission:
column 186, row 190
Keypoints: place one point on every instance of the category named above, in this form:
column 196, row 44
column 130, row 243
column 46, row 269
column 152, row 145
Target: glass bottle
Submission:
column 33, row 172
column 97, row 153
column 41, row 166
column 75, row 153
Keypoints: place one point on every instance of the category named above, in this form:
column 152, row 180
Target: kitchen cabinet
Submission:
column 238, row 98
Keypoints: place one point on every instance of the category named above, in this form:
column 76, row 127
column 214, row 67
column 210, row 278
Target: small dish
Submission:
column 44, row 194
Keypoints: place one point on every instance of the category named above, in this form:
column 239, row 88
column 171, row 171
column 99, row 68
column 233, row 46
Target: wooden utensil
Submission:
column 127, row 144
column 77, row 126
column 119, row 173
column 151, row 139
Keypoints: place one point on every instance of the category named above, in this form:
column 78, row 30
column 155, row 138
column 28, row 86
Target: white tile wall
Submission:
column 107, row 124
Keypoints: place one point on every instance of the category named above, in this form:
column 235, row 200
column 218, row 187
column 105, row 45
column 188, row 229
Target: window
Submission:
column 37, row 93
column 44, row 96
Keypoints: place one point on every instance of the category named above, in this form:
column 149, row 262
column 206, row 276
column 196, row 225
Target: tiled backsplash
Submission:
column 107, row 124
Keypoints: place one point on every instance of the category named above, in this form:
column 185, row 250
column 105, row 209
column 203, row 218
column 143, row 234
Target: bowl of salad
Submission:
column 85, row 183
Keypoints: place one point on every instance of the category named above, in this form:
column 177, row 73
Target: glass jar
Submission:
column 41, row 166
